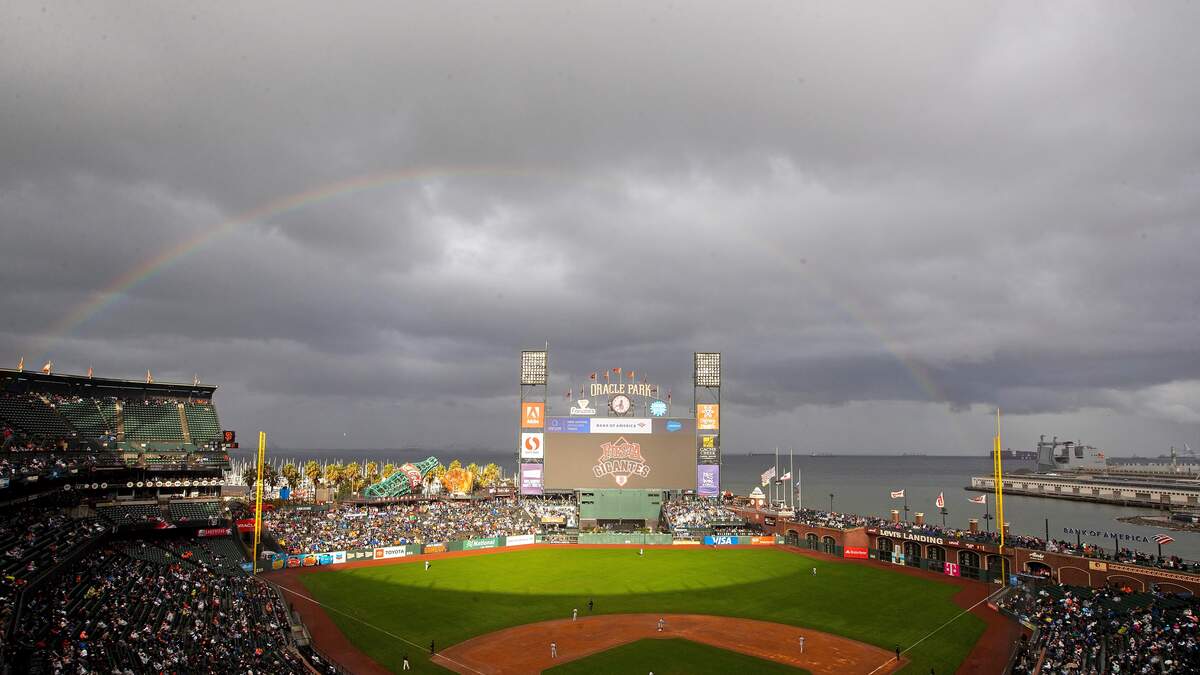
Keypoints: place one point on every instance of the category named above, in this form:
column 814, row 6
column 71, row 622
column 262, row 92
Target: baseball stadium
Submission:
column 605, row 542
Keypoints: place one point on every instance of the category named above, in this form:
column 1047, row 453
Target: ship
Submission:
column 1075, row 470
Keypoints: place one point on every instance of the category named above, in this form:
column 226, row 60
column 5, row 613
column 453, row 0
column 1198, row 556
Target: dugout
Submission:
column 620, row 509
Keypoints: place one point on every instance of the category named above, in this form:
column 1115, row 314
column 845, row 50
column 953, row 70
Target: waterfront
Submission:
column 862, row 483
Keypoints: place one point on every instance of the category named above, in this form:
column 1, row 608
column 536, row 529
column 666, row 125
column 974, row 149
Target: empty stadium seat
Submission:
column 152, row 421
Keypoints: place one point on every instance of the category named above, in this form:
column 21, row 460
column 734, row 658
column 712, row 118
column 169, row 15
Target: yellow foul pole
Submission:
column 262, row 451
column 998, row 479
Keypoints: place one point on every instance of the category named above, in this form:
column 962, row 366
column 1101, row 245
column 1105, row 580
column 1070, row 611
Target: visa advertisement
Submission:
column 620, row 452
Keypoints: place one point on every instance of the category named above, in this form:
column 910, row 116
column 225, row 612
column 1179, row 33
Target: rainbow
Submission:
column 120, row 286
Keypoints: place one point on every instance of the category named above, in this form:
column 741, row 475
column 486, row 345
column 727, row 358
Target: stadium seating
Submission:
column 129, row 512
column 194, row 510
column 92, row 417
column 202, row 422
column 152, row 421
column 33, row 416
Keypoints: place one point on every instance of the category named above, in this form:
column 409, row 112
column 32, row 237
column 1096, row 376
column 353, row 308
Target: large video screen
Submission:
column 620, row 452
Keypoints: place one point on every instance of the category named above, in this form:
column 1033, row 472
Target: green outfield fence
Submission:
column 826, row 545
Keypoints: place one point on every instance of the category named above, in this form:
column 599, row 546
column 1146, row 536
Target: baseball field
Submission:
column 479, row 607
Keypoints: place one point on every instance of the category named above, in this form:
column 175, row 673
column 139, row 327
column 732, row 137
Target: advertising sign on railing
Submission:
column 388, row 552
column 519, row 540
column 854, row 552
column 476, row 544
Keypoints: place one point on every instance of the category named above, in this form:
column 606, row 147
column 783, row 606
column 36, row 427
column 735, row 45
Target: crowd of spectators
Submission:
column 698, row 513
column 32, row 540
column 1084, row 630
column 1123, row 555
column 114, row 613
column 352, row 527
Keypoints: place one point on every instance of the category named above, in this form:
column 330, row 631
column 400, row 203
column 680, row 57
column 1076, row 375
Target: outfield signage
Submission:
column 389, row 552
column 620, row 425
column 214, row 532
column 923, row 538
column 518, row 540
column 855, row 553
column 476, row 544
column 1119, row 536
column 737, row 540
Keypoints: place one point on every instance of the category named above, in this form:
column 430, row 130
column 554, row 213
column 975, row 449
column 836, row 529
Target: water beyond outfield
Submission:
column 862, row 484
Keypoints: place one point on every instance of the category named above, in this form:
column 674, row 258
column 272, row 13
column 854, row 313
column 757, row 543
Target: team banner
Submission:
column 708, row 480
column 531, row 479
column 635, row 453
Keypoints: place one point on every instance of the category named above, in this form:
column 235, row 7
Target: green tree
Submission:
column 388, row 470
column 351, row 476
column 312, row 471
column 333, row 472
column 270, row 476
column 372, row 473
column 291, row 474
column 490, row 476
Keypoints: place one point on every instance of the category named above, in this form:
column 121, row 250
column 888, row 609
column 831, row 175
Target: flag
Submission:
column 897, row 494
column 617, row 371
column 767, row 476
column 195, row 379
column 941, row 501
column 785, row 476
column 633, row 376
column 149, row 377
column 89, row 372
column 48, row 368
column 606, row 376
column 592, row 376
column 981, row 499
column 1161, row 539
column 21, row 365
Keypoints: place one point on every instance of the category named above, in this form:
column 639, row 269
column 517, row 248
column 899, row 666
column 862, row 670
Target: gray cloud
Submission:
column 924, row 213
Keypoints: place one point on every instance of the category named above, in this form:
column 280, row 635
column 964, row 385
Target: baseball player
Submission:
column 575, row 614
column 554, row 650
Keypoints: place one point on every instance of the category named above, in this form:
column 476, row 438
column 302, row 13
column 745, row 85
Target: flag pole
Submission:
column 791, row 473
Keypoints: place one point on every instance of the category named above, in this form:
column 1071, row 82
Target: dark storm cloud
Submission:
column 951, row 208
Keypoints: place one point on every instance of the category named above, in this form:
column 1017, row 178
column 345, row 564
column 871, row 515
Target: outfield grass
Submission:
column 672, row 657
column 467, row 596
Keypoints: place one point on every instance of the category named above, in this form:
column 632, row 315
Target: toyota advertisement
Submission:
column 620, row 452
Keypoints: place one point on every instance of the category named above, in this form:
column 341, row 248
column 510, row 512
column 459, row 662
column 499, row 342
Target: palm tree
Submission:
column 491, row 475
column 388, row 469
column 270, row 475
column 291, row 474
column 332, row 473
column 372, row 473
column 351, row 475
column 312, row 471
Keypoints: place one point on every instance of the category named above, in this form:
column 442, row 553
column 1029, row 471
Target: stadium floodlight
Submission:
column 533, row 368
column 708, row 369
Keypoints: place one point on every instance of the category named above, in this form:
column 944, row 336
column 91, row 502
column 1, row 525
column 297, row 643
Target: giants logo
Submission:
column 621, row 459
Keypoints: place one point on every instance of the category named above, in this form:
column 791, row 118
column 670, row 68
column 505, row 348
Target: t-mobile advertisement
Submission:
column 708, row 480
column 621, row 452
column 531, row 479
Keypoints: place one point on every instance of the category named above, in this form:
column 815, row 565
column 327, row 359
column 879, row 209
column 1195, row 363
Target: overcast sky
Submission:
column 888, row 221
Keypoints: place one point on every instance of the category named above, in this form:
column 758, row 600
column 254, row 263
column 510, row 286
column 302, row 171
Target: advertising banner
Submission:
column 720, row 540
column 708, row 480
column 685, row 542
column 757, row 541
column 568, row 425
column 214, row 532
column 388, row 552
column 278, row 561
column 247, row 567
column 708, row 416
column 532, row 415
column 435, row 548
column 339, row 557
column 897, row 557
column 708, row 449
column 621, row 425
column 952, row 569
column 531, row 445
column 663, row 456
column 519, row 540
column 310, row 559
column 245, row 525
column 531, row 479
column 325, row 559
column 476, row 544
column 294, row 561
column 855, row 553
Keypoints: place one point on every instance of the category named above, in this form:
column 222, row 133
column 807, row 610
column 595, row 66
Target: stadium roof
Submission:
column 12, row 380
